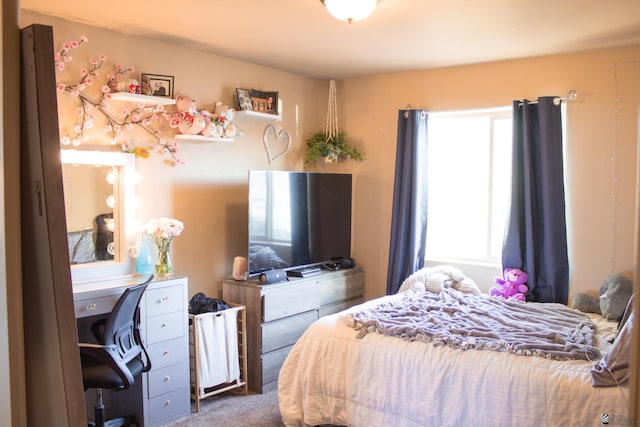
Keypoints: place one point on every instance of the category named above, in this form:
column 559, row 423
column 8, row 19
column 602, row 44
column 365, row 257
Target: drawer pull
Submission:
column 163, row 299
column 167, row 403
column 164, row 325
column 164, row 353
column 90, row 307
column 167, row 378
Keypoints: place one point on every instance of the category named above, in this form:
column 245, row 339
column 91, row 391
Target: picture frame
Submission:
column 158, row 84
column 272, row 102
column 244, row 99
column 259, row 104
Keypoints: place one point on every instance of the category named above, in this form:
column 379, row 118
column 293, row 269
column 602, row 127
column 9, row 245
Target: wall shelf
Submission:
column 147, row 99
column 258, row 115
column 201, row 138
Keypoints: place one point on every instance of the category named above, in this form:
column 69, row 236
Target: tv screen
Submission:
column 298, row 219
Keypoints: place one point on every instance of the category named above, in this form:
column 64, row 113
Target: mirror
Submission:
column 99, row 192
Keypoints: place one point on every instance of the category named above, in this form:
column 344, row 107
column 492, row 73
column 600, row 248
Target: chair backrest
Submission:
column 121, row 328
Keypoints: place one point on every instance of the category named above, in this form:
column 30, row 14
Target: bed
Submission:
column 347, row 370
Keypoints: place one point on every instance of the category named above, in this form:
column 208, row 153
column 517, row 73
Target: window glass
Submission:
column 469, row 177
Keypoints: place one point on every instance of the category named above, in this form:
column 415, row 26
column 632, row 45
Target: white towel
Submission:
column 217, row 348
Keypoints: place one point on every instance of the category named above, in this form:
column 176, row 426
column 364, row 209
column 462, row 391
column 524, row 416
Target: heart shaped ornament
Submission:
column 277, row 137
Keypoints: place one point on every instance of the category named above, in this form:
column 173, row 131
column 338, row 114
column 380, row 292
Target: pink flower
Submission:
column 75, row 92
column 103, row 57
column 105, row 89
column 61, row 87
column 74, row 44
column 83, row 39
column 66, row 46
column 60, row 66
column 83, row 72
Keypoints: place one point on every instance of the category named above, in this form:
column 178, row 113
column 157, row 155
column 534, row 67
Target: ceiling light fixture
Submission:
column 350, row 10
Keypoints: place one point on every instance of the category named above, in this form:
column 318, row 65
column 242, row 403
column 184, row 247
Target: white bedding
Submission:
column 330, row 377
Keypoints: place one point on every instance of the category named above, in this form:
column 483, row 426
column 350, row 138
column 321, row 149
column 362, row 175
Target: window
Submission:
column 469, row 178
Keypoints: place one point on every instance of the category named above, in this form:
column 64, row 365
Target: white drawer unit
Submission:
column 162, row 394
column 279, row 313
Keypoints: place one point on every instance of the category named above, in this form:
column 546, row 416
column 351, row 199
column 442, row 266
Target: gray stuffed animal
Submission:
column 614, row 293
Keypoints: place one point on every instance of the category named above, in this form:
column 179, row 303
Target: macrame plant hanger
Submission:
column 331, row 128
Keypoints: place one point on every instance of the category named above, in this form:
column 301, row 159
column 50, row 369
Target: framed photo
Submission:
column 272, row 102
column 158, row 84
column 244, row 99
column 259, row 104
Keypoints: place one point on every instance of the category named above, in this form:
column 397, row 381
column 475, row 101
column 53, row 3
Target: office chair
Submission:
column 118, row 357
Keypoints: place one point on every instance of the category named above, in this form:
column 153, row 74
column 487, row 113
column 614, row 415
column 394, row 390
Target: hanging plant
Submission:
column 331, row 148
column 331, row 144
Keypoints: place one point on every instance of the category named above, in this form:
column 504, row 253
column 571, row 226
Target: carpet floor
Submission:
column 228, row 409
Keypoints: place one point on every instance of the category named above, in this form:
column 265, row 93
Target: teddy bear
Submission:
column 512, row 286
column 223, row 117
column 188, row 119
column 614, row 294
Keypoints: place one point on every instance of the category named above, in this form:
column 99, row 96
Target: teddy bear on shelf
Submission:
column 512, row 286
column 188, row 119
column 223, row 117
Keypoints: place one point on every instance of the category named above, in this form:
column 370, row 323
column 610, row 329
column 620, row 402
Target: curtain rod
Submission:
column 571, row 96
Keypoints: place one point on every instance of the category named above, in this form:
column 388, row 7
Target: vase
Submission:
column 164, row 266
column 144, row 264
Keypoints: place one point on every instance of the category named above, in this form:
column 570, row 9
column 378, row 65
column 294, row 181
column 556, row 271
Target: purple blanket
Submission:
column 465, row 321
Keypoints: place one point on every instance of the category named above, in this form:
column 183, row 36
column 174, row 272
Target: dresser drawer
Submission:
column 167, row 353
column 164, row 300
column 95, row 306
column 283, row 332
column 272, row 362
column 163, row 380
column 165, row 327
column 288, row 300
column 342, row 288
column 168, row 405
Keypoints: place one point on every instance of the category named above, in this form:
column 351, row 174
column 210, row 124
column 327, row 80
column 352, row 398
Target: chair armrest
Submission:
column 108, row 354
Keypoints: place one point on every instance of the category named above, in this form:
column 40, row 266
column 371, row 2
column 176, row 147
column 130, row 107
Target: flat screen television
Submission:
column 298, row 220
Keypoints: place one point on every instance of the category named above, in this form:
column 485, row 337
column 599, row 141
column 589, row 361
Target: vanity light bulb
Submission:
column 110, row 177
column 111, row 201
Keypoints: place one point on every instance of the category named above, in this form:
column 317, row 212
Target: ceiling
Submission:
column 300, row 36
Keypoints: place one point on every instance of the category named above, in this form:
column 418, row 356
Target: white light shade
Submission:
column 350, row 10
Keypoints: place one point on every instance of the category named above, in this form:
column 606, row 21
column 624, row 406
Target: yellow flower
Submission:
column 141, row 152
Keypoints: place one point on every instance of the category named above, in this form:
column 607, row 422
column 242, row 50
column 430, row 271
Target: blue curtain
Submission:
column 409, row 216
column 536, row 235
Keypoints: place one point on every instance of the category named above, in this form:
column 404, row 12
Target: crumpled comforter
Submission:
column 463, row 321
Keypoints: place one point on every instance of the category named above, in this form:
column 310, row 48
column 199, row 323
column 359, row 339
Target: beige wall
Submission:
column 601, row 142
column 209, row 192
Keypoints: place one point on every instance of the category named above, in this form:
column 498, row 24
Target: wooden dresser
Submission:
column 279, row 313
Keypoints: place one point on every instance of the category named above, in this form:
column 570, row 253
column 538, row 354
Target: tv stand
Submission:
column 304, row 272
column 279, row 313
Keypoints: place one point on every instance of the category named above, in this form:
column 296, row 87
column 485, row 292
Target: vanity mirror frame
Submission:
column 124, row 213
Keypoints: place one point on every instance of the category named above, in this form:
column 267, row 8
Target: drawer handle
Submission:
column 167, row 403
column 167, row 378
column 90, row 307
column 164, row 325
column 163, row 299
column 164, row 353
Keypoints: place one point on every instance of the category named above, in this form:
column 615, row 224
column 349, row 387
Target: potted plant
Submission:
column 331, row 148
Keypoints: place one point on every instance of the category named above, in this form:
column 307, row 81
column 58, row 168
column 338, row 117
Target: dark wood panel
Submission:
column 54, row 377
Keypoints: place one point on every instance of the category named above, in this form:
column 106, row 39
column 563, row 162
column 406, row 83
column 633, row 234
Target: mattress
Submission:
column 332, row 377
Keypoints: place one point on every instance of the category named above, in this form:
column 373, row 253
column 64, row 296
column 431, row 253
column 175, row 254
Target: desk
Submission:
column 162, row 394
